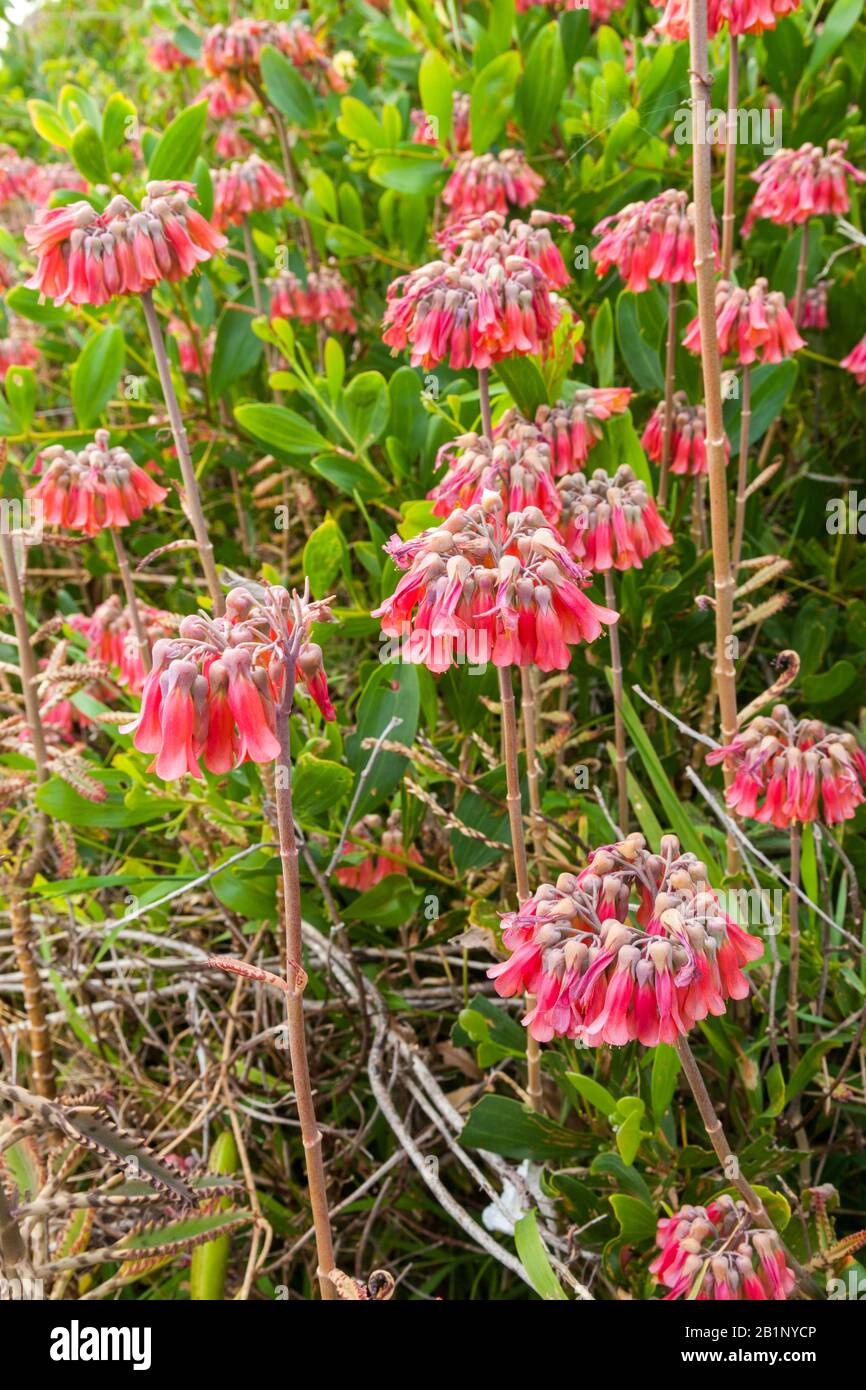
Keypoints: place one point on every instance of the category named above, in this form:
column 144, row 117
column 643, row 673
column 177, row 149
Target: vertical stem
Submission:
column 794, row 943
column 530, row 738
column 178, row 429
column 131, row 601
column 618, row 725
column 730, row 156
column 715, row 1133
column 310, row 1133
column 670, row 365
column 802, row 267
column 250, row 253
column 742, row 471
column 26, row 660
column 726, row 687
column 484, row 395
column 518, row 842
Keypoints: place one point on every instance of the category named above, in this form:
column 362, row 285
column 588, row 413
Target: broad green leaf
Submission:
column 593, row 1091
column 639, row 354
column 504, row 1126
column 771, row 385
column 25, row 303
column 318, row 785
column 88, row 154
column 365, row 408
column 48, row 124
column 663, row 1084
column 492, row 99
column 236, row 350
column 535, row 1260
column 637, row 1221
column 524, row 383
column 436, row 86
column 178, row 146
column 834, row 30
column 97, row 373
column 416, row 170
column 20, row 385
column 324, row 554
column 390, row 903
column 117, row 120
column 391, row 692
column 286, row 88
column 602, row 343
column 335, row 366
column 541, row 87
column 280, row 428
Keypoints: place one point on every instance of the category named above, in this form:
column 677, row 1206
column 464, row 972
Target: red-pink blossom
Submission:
column 325, row 299
column 855, row 362
column 424, row 132
column 741, row 16
column 516, row 466
column 490, row 183
column 610, row 522
column 688, row 452
column 794, row 185
column 647, row 241
column 225, row 96
column 813, row 309
column 112, row 639
column 362, row 871
column 165, row 56
column 17, row 352
column 235, row 50
column 96, row 488
column 251, row 185
column 483, row 241
column 195, row 353
column 718, row 1252
column 571, row 430
column 753, row 323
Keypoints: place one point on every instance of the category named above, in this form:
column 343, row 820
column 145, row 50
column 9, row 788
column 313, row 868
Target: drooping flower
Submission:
column 748, row 323
column 788, row 773
column 490, row 183
column 230, row 144
column 572, row 430
column 647, row 241
column 112, row 639
column 87, row 257
column 225, row 96
column 606, row 971
column 98, row 487
column 195, row 354
column 486, row 586
column 741, row 16
column 490, row 239
column 610, row 522
column 425, row 131
column 600, row 11
column 719, row 1252
column 165, row 56
column 813, row 310
column 16, row 351
column 213, row 691
column 235, row 50
column 325, row 299
column 688, row 436
column 363, row 873
column 251, row 185
column 794, row 185
column 855, row 362
column 516, row 466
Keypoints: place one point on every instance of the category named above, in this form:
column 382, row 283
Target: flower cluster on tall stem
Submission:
column 515, row 465
column 720, row 1251
column 571, row 430
column 688, row 433
column 490, row 183
column 250, row 185
column 324, row 299
column 113, row 637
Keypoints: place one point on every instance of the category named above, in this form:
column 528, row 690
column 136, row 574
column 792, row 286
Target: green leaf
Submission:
column 830, row 684
column 286, row 88
column 390, row 903
column 178, row 146
column 524, row 383
column 535, row 1261
column 835, row 28
column 417, row 170
column 236, row 350
column 808, row 1065
column 48, row 124
column 639, row 354
column 318, row 785
column 504, row 1126
column 436, row 86
column 88, row 154
column 359, row 125
column 637, row 1221
column 335, row 366
column 592, row 1091
column 97, row 372
column 25, row 303
column 629, row 1135
column 392, row 691
column 365, row 408
column 771, row 385
column 20, row 385
column 542, row 86
column 209, row 1262
column 775, row 1083
column 666, row 1067
column 324, row 554
column 119, row 112
column 492, row 99
column 279, row 428
column 63, row 803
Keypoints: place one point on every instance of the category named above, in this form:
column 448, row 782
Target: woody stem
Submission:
column 730, row 156
column 794, row 948
column 310, row 1132
column 742, row 471
column 670, row 372
column 250, row 254
column 529, row 716
column 802, row 267
column 131, row 601
column 178, row 429
column 725, row 677
column 618, row 724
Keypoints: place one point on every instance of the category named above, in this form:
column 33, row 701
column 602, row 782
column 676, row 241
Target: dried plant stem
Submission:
column 794, row 949
column 529, row 715
column 618, row 724
column 730, row 156
column 310, row 1131
column 518, row 842
column 726, row 687
column 190, row 482
column 670, row 373
column 131, row 601
column 19, row 911
column 742, row 470
column 802, row 267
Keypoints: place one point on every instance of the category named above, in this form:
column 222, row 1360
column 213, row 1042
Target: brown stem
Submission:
column 310, row 1132
column 618, row 724
column 726, row 684
column 131, row 601
column 794, row 946
column 802, row 267
column 250, row 254
column 528, row 712
column 742, row 470
column 484, row 396
column 730, row 157
column 670, row 372
column 190, row 482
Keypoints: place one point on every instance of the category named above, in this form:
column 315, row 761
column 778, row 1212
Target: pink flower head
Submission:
column 111, row 637
column 25, row 180
column 481, row 241
column 610, row 522
column 605, row 971
column 230, row 144
column 516, row 467
column 87, row 257
column 235, row 50
column 788, row 773
column 17, row 352
column 748, row 323
column 648, row 241
column 225, row 96
column 325, row 299
column 490, row 183
column 424, row 131
column 571, row 431
column 98, row 487
column 165, row 56
column 195, row 353
column 600, row 11
column 250, row 186
column 213, row 691
column 688, row 451
column 855, row 362
column 718, row 1252
column 794, row 185
column 489, row 586
column 813, row 310
column 378, row 862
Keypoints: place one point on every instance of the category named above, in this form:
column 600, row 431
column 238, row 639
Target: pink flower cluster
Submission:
column 225, row 98
column 855, row 362
column 493, row 587
column 87, row 257
column 325, row 299
column 516, row 466
column 490, row 238
column 195, row 354
column 16, row 352
column 250, row 186
column 490, row 183
column 363, row 874
column 717, row 1252
column 96, row 488
column 600, row 11
column 165, row 56
column 214, row 690
column 230, row 144
column 610, row 522
column 424, row 132
column 688, row 436
column 572, row 430
column 112, row 640
column 794, row 185
column 741, row 16
column 648, row 241
column 235, row 50
column 604, row 971
column 813, row 310
column 788, row 773
column 748, row 323
column 22, row 178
